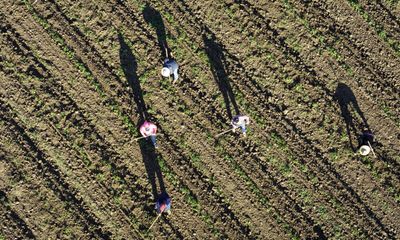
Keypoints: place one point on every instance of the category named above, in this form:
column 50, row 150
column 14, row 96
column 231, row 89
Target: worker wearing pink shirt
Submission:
column 149, row 129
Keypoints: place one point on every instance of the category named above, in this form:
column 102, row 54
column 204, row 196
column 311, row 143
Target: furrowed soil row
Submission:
column 95, row 166
column 392, row 5
column 192, row 180
column 36, row 161
column 388, row 18
column 379, row 75
column 331, row 94
column 388, row 95
column 13, row 224
column 85, row 53
column 387, row 143
column 387, row 26
column 309, row 70
column 382, row 131
column 32, row 200
column 69, row 165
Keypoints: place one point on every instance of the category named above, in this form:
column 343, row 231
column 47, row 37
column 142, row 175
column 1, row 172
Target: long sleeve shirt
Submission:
column 172, row 66
column 148, row 129
column 243, row 120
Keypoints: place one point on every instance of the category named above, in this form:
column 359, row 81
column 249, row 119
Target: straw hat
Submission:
column 165, row 72
column 364, row 150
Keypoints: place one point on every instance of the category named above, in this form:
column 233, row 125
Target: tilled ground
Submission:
column 79, row 77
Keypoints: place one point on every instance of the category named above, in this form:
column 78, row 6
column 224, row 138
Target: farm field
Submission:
column 78, row 78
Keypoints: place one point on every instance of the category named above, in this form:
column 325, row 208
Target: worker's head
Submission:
column 165, row 72
column 146, row 125
column 235, row 119
column 364, row 150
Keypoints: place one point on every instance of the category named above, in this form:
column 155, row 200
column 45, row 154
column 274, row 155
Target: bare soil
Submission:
column 79, row 77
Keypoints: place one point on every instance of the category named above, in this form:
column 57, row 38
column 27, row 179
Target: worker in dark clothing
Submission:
column 366, row 141
column 163, row 203
column 170, row 67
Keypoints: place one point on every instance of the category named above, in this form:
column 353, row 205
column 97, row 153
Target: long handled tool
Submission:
column 138, row 138
column 219, row 134
column 373, row 152
column 166, row 50
column 155, row 220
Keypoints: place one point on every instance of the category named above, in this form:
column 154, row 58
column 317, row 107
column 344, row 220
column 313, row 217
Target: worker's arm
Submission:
column 233, row 124
column 154, row 130
column 176, row 76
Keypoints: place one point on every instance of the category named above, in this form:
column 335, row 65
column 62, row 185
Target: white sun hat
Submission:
column 165, row 72
column 364, row 150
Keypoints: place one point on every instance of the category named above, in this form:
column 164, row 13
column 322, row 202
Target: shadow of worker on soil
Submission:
column 215, row 53
column 153, row 17
column 348, row 102
column 129, row 66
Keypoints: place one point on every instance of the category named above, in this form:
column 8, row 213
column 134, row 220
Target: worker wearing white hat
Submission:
column 365, row 140
column 170, row 67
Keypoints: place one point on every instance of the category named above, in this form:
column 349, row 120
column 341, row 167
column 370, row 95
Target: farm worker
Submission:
column 163, row 203
column 366, row 139
column 170, row 67
column 240, row 121
column 149, row 129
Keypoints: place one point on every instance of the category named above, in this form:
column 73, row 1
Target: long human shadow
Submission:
column 149, row 155
column 215, row 53
column 129, row 66
column 347, row 101
column 153, row 17
column 53, row 179
column 325, row 165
